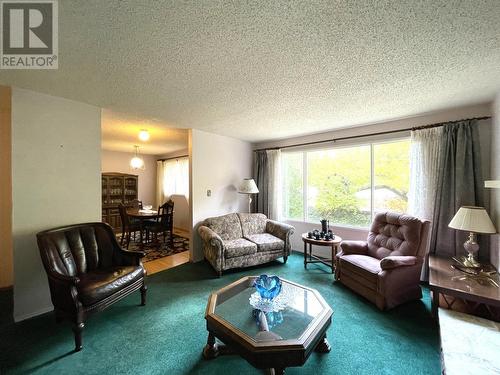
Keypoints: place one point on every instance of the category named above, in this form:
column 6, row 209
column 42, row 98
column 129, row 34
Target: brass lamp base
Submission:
column 472, row 247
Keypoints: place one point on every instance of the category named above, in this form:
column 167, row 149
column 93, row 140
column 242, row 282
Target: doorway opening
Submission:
column 145, row 188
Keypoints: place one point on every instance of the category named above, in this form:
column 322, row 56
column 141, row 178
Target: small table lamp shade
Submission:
column 472, row 219
column 248, row 186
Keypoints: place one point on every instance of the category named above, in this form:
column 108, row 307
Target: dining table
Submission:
column 142, row 215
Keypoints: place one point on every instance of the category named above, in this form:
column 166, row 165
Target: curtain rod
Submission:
column 175, row 157
column 371, row 134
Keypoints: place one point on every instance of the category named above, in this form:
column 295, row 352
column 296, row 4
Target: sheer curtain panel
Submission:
column 424, row 171
column 173, row 179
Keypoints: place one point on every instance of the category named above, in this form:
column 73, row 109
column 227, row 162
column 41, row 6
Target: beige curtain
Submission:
column 160, row 176
column 267, row 176
column 172, row 179
column 274, row 184
column 424, row 171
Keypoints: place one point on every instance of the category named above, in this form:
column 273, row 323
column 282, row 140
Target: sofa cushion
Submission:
column 238, row 247
column 253, row 223
column 364, row 269
column 228, row 227
column 266, row 242
column 96, row 285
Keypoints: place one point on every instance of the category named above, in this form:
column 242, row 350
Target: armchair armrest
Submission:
column 280, row 230
column 129, row 257
column 394, row 261
column 210, row 237
column 63, row 279
column 353, row 247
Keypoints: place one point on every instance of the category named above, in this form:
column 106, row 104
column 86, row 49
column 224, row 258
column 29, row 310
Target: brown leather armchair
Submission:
column 386, row 268
column 88, row 271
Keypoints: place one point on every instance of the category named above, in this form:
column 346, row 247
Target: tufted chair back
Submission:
column 397, row 234
column 77, row 249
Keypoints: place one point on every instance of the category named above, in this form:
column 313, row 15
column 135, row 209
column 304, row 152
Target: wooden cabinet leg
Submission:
column 435, row 304
column 275, row 371
column 323, row 346
column 144, row 290
column 333, row 258
column 305, row 255
column 210, row 351
column 77, row 330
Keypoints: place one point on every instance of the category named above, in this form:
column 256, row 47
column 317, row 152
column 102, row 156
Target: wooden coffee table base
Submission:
column 263, row 348
column 213, row 349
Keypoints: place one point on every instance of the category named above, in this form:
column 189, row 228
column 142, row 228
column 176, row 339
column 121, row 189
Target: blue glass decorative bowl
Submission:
column 273, row 319
column 268, row 286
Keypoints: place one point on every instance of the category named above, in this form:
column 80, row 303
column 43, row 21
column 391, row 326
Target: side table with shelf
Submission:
column 312, row 258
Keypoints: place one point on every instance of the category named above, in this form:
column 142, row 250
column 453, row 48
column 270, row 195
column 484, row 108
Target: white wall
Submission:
column 6, row 255
column 449, row 115
column 114, row 161
column 175, row 154
column 56, row 168
column 217, row 163
column 181, row 212
column 495, row 175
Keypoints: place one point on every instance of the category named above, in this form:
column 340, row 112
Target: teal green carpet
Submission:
column 168, row 334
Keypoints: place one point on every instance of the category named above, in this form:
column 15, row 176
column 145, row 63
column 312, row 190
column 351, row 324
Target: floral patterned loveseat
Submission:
column 242, row 240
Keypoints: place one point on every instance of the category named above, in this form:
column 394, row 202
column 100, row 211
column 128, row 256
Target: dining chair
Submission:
column 127, row 226
column 136, row 203
column 164, row 223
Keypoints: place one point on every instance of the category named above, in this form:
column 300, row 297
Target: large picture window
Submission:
column 346, row 185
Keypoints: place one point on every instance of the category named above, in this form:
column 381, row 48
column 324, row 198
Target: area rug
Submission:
column 159, row 249
column 167, row 335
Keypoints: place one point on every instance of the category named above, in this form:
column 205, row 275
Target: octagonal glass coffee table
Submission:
column 272, row 337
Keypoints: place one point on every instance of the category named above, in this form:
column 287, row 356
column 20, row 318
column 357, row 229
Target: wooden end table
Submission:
column 443, row 279
column 311, row 258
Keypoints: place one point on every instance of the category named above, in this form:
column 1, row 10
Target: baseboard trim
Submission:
column 19, row 318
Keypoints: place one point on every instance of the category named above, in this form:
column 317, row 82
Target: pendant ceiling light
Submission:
column 144, row 135
column 137, row 162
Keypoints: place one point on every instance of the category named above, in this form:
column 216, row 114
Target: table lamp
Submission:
column 473, row 220
column 249, row 187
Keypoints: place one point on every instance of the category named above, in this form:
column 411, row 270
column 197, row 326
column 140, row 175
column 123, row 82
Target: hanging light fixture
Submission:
column 144, row 135
column 137, row 162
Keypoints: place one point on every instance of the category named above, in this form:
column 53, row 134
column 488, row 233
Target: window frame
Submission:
column 369, row 141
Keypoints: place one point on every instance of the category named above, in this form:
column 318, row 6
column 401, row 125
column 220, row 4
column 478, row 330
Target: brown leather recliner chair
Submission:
column 88, row 271
column 386, row 268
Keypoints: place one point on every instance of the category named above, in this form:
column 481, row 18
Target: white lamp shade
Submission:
column 472, row 219
column 248, row 186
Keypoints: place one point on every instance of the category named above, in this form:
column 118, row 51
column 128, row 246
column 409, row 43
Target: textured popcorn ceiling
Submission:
column 120, row 132
column 267, row 69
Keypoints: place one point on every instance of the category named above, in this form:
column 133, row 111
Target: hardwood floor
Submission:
column 170, row 261
column 165, row 263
